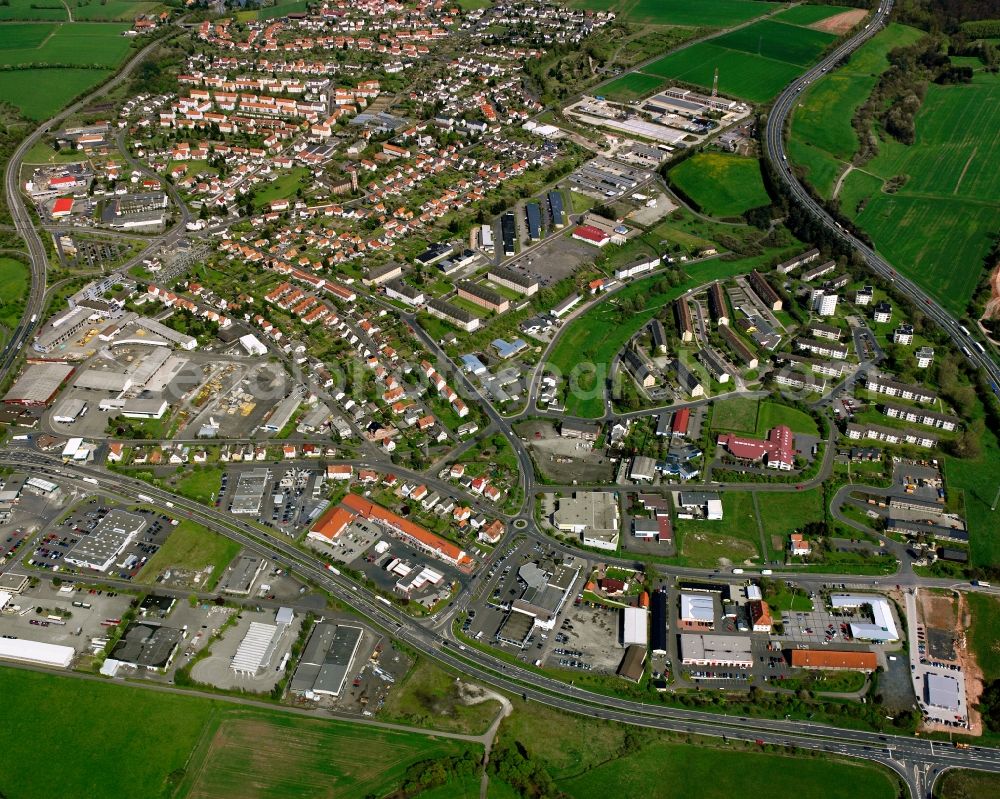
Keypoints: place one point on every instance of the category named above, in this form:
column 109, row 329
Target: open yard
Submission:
column 201, row 484
column 784, row 512
column 754, row 63
column 191, row 547
column 721, row 184
column 735, row 539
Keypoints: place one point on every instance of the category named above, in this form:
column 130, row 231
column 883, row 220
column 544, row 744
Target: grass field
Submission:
column 984, row 634
column 111, row 10
column 707, row 13
column 98, row 44
column 722, row 185
column 588, row 758
column 964, row 784
column 427, row 697
column 191, row 547
column 754, row 63
column 735, row 538
column 808, row 15
column 271, row 756
column 15, row 280
column 113, row 726
column 22, row 10
column 785, row 512
column 822, row 138
column 976, row 480
column 282, row 187
column 738, row 414
column 773, row 413
column 746, row 415
column 203, row 748
column 201, row 485
column 631, row 87
column 24, row 35
column 40, row 93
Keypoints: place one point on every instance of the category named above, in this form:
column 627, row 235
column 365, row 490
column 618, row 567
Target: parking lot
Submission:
column 52, row 546
column 286, row 499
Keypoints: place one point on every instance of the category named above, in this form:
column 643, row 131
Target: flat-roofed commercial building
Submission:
column 697, row 611
column 256, row 648
column 591, row 514
column 106, row 542
column 834, row 659
column 38, row 384
column 716, row 650
column 38, row 653
column 327, row 660
column 239, row 578
column 882, row 628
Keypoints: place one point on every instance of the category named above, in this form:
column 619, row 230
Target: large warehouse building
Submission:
column 38, row 384
column 36, row 652
column 98, row 550
column 327, row 660
column 716, row 650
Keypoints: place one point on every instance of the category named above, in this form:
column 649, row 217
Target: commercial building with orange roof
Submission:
column 833, row 659
column 413, row 533
column 331, row 524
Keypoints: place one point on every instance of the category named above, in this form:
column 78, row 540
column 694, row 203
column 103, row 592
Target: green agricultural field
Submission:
column 963, row 784
column 721, row 184
column 975, row 480
column 257, row 755
column 191, row 547
column 984, row 633
column 114, row 725
column 15, row 280
column 822, row 139
column 754, row 63
column 631, row 87
column 809, row 15
column 98, row 44
column 706, row 13
column 112, row 10
column 49, row 10
column 784, row 512
column 24, row 35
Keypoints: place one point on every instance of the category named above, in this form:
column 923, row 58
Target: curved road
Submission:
column 775, row 148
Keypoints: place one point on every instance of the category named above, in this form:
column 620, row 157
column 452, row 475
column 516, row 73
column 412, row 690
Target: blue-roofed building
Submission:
column 556, row 208
column 534, row 215
column 508, row 349
column 473, row 365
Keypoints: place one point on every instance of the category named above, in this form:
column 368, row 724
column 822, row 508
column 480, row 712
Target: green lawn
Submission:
column 784, row 512
column 40, row 93
column 721, row 184
column 191, row 547
column 773, row 413
column 738, row 415
column 282, row 187
column 984, row 633
column 15, row 281
column 755, row 417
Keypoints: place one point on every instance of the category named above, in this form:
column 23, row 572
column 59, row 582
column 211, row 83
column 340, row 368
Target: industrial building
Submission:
column 249, row 494
column 697, row 611
column 106, row 542
column 241, row 575
column 37, row 653
column 327, row 660
column 658, row 623
column 881, row 629
column 149, row 645
column 635, row 627
column 942, row 690
column 591, row 514
column 38, row 384
column 546, row 589
column 256, row 648
column 632, row 666
column 716, row 650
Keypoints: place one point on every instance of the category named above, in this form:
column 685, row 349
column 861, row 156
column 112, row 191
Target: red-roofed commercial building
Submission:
column 760, row 616
column 777, row 451
column 63, row 206
column 833, row 659
column 681, row 420
column 331, row 524
column 591, row 235
column 414, row 533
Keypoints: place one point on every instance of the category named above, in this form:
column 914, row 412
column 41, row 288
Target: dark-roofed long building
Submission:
column 658, row 627
column 327, row 660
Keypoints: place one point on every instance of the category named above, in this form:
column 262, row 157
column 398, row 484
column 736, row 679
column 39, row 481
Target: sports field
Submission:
column 705, row 13
column 98, row 44
column 754, row 63
column 721, row 184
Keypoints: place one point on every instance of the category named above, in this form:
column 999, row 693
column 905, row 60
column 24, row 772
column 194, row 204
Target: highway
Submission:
column 24, row 223
column 775, row 150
